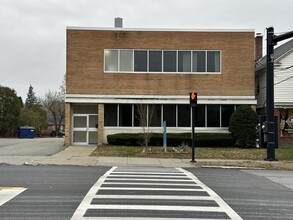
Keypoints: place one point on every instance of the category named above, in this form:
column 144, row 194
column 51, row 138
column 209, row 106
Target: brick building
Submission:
column 115, row 73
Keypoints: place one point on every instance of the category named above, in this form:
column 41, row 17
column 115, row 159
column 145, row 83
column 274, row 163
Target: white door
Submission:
column 85, row 129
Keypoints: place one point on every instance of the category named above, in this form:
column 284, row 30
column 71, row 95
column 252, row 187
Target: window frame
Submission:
column 162, row 61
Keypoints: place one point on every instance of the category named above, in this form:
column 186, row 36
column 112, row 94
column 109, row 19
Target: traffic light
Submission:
column 193, row 99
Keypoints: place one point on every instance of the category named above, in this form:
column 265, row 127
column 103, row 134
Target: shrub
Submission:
column 174, row 139
column 243, row 123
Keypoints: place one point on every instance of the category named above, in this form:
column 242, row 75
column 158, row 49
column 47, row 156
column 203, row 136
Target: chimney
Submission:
column 258, row 46
column 118, row 22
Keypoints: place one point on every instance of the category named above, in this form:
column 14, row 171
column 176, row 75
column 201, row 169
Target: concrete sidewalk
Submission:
column 79, row 156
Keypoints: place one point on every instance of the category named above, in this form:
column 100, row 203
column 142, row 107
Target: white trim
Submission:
column 157, row 29
column 158, row 99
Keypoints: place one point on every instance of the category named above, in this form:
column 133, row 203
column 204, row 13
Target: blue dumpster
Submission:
column 26, row 132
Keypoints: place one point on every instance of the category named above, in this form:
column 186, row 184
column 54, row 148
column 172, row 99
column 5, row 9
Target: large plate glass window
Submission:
column 140, row 60
column 184, row 116
column 126, row 60
column 110, row 114
column 199, row 61
column 125, row 115
column 140, row 115
column 170, row 61
column 200, row 116
column 155, row 61
column 184, row 61
column 170, row 115
column 226, row 112
column 213, row 61
column 155, row 115
column 111, row 60
column 213, row 115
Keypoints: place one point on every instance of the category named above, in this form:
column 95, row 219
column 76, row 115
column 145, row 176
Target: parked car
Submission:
column 60, row 133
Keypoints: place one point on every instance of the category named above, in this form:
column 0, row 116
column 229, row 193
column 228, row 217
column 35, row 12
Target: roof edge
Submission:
column 156, row 29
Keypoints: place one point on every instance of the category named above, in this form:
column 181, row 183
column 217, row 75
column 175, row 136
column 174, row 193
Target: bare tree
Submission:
column 145, row 115
column 54, row 103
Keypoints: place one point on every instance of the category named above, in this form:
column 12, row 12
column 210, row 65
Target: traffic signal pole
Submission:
column 271, row 42
column 193, row 134
column 193, row 103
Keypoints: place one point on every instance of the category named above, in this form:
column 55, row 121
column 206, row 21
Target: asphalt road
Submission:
column 55, row 192
column 253, row 194
column 30, row 147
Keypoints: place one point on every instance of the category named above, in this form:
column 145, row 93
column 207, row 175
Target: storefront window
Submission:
column 125, row 115
column 213, row 115
column 110, row 114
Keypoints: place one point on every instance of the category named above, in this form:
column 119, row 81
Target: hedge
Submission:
column 174, row 139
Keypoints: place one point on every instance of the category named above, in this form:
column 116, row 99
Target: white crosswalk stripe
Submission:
column 8, row 193
column 152, row 193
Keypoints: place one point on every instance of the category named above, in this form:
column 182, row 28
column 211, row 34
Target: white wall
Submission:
column 284, row 81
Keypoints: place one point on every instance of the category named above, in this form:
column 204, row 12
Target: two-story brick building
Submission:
column 111, row 72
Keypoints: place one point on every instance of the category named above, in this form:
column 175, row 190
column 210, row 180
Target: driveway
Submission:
column 30, row 147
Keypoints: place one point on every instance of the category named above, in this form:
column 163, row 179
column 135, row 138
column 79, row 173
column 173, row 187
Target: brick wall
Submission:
column 100, row 123
column 67, row 124
column 85, row 63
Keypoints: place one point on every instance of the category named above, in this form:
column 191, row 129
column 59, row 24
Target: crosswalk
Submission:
column 8, row 193
column 152, row 193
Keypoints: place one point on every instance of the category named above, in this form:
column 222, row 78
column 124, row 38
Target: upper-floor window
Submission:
column 162, row 61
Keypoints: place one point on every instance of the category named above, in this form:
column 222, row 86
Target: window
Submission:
column 213, row 115
column 226, row 112
column 184, row 61
column 126, row 60
column 155, row 61
column 166, row 61
column 125, row 115
column 170, row 61
column 140, row 115
column 184, row 116
column 152, row 115
column 169, row 115
column 213, row 61
column 200, row 116
column 199, row 61
column 140, row 61
column 155, row 115
column 110, row 114
column 111, row 60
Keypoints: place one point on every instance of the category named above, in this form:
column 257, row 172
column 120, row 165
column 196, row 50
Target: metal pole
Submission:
column 270, row 95
column 165, row 137
column 193, row 135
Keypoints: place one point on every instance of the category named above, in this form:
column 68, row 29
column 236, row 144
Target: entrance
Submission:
column 85, row 129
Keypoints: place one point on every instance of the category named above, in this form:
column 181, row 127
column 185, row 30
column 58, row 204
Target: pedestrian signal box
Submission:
column 193, row 99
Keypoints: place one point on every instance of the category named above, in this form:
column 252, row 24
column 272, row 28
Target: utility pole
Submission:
column 271, row 42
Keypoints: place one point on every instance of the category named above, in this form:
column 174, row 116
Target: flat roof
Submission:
column 157, row 29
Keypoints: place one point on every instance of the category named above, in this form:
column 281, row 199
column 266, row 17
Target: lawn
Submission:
column 223, row 157
column 232, row 153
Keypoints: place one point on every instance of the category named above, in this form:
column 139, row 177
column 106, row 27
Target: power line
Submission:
column 284, row 80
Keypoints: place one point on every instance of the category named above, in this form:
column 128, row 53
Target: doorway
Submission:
column 85, row 129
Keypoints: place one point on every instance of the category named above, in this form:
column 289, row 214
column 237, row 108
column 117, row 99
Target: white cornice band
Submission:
column 150, row 99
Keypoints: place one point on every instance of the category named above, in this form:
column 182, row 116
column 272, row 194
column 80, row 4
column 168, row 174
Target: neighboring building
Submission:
column 283, row 87
column 111, row 72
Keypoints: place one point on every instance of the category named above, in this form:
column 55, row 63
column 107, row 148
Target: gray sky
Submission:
column 33, row 40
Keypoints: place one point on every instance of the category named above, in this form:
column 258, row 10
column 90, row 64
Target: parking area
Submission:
column 30, row 147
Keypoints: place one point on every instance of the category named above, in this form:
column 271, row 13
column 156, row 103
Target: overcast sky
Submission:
column 32, row 39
